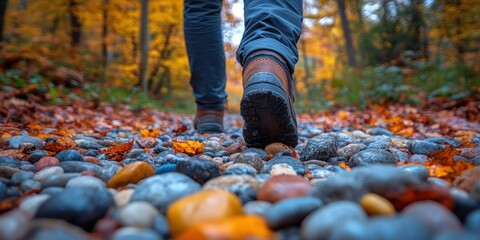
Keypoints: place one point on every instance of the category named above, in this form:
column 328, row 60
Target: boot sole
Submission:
column 268, row 112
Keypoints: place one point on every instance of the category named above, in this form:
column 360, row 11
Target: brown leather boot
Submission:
column 267, row 102
column 209, row 121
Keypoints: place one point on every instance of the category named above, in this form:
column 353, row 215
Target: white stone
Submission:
column 138, row 214
column 31, row 204
column 47, row 172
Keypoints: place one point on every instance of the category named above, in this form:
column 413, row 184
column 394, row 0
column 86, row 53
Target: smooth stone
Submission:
column 132, row 173
column 47, row 172
column 31, row 203
column 29, row 168
column 371, row 157
column 76, row 166
column 13, row 223
column 227, row 181
column 7, row 161
column 85, row 181
column 472, row 221
column 379, row 131
column 423, row 147
column 169, row 167
column 138, row 214
column 236, row 227
column 444, row 141
column 339, row 187
column 260, row 152
column 419, row 171
column 274, row 148
column 418, row 158
column 207, row 205
column 319, row 148
column 256, row 208
column 52, row 190
column 251, row 159
column 69, row 155
column 320, row 223
column 319, row 173
column 350, row 150
column 434, row 216
column 467, row 179
column 46, row 162
column 129, row 233
column 374, row 204
column 457, row 235
column 282, row 169
column 30, row 184
column 163, row 189
column 283, row 186
column 400, row 156
column 438, row 182
column 134, row 153
column 43, row 229
column 59, row 180
column 123, row 197
column 8, row 172
column 475, row 192
column 16, row 141
column 291, row 212
column 36, row 155
column 463, row 203
column 19, row 177
column 360, row 134
column 107, row 172
column 293, row 162
column 244, row 193
column 382, row 228
column 470, row 153
column 85, row 144
column 214, row 145
column 199, row 170
column 160, row 225
column 80, row 206
column 382, row 179
column 3, row 191
column 240, row 169
column 92, row 153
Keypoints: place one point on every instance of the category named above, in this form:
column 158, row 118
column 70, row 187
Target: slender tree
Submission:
column 75, row 27
column 144, row 46
column 346, row 34
column 3, row 7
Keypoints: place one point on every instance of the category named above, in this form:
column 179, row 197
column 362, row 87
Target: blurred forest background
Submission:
column 352, row 52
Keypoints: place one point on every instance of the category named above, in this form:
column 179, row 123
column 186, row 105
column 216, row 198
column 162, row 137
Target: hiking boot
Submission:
column 267, row 102
column 209, row 121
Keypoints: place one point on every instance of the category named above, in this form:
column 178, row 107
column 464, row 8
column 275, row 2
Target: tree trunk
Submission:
column 75, row 28
column 346, row 33
column 105, row 59
column 3, row 7
column 164, row 54
column 144, row 46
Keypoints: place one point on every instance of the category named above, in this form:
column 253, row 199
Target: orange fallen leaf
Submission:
column 180, row 129
column 444, row 165
column 188, row 147
column 121, row 148
column 63, row 143
column 344, row 165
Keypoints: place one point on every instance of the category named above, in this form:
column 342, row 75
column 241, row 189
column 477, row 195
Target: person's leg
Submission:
column 268, row 54
column 203, row 39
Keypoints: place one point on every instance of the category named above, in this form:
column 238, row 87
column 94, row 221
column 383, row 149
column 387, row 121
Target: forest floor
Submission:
column 96, row 170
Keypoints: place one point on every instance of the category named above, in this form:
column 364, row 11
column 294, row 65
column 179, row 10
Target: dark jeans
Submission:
column 269, row 25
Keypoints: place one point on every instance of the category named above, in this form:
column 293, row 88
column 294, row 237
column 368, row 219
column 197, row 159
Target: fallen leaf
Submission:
column 121, row 148
column 63, row 143
column 188, row 147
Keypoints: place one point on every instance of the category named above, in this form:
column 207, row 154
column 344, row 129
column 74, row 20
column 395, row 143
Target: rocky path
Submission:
column 102, row 172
